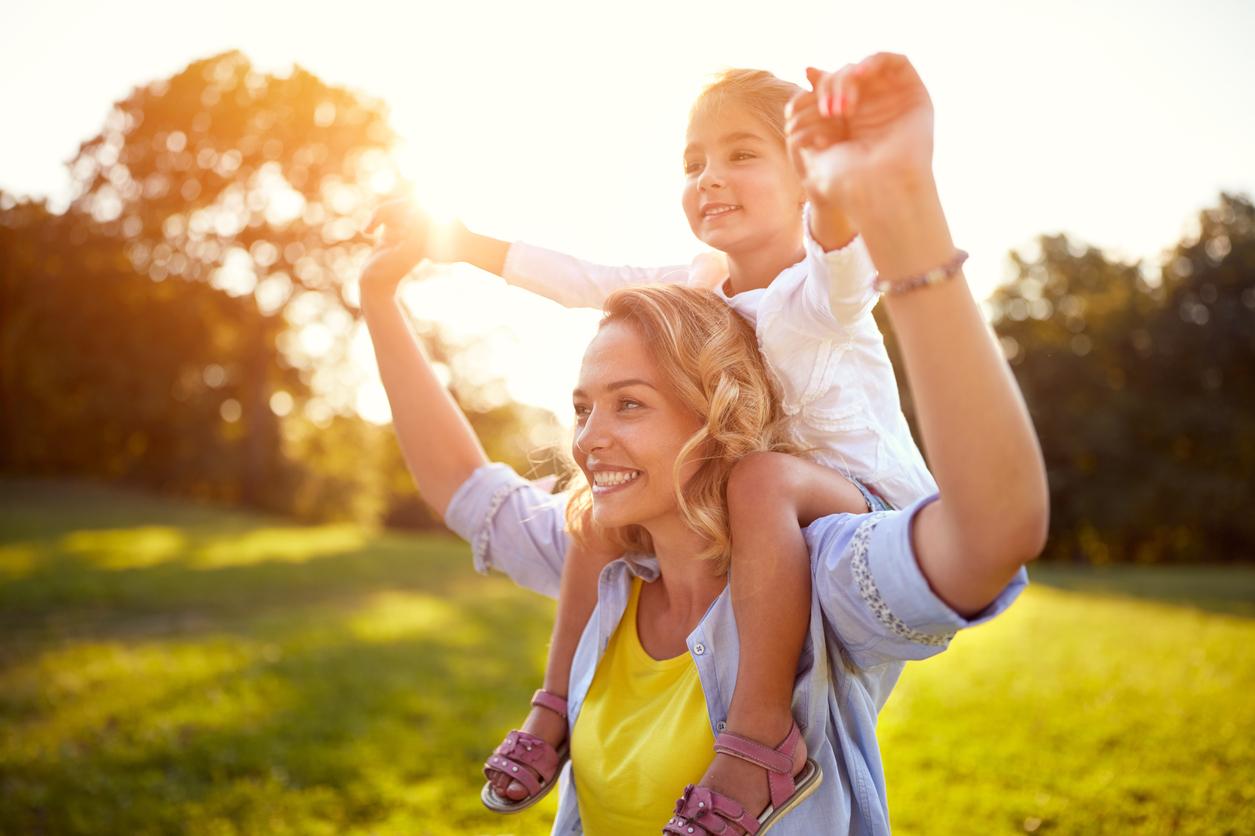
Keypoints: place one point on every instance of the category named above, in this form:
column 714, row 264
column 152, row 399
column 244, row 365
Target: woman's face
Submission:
column 630, row 427
column 740, row 189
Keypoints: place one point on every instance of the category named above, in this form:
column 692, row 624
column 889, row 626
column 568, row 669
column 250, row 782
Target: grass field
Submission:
column 171, row 668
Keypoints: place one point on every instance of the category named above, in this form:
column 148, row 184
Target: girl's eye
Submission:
column 629, row 404
column 581, row 411
column 689, row 168
column 742, row 155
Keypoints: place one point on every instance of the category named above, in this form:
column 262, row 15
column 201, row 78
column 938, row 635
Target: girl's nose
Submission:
column 711, row 178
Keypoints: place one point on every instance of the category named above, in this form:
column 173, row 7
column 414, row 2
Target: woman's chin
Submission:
column 607, row 513
column 606, row 518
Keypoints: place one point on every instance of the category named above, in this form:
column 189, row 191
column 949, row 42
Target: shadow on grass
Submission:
column 1220, row 589
column 67, row 594
column 152, row 566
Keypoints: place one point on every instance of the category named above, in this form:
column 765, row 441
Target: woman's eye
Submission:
column 627, row 404
column 581, row 411
column 742, row 155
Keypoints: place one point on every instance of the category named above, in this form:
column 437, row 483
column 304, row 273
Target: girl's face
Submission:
column 629, row 429
column 740, row 189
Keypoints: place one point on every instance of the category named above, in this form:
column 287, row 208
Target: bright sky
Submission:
column 562, row 123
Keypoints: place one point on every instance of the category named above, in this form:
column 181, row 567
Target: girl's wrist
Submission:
column 446, row 245
column 830, row 226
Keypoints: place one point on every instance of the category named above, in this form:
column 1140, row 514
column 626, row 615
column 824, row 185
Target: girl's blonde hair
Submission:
column 757, row 91
column 709, row 356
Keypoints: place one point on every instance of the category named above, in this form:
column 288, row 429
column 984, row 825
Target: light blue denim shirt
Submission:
column 871, row 611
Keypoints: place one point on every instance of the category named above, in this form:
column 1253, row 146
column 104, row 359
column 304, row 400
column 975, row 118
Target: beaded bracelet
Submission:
column 934, row 276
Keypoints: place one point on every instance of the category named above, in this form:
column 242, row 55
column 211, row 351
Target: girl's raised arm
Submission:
column 571, row 282
column 439, row 446
column 992, row 514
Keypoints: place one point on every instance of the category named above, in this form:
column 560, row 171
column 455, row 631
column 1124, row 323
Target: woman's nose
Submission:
column 592, row 435
column 596, row 433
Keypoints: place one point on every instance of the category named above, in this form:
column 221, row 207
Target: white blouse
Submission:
column 817, row 334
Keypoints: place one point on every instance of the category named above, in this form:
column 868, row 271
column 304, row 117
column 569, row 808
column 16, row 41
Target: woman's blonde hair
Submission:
column 757, row 91
column 709, row 356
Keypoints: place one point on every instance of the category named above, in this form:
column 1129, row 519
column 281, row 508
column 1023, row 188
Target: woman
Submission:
column 888, row 587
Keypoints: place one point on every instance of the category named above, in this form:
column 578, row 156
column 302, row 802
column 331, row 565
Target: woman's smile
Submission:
column 606, row 481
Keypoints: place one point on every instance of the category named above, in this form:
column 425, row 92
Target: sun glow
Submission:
column 530, row 123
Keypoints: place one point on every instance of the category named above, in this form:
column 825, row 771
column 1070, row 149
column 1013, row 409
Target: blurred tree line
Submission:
column 186, row 325
column 1140, row 378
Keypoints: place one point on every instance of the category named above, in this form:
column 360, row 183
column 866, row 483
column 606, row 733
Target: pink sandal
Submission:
column 527, row 759
column 703, row 812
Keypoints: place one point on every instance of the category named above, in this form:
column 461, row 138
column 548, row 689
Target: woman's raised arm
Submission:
column 992, row 514
column 439, row 446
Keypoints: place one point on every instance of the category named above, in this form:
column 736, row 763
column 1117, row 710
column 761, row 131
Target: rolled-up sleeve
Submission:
column 513, row 526
column 873, row 594
column 837, row 292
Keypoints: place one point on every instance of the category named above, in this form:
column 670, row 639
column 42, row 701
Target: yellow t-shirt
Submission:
column 642, row 734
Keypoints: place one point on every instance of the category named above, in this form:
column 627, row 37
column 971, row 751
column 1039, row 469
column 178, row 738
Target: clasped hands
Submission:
column 861, row 130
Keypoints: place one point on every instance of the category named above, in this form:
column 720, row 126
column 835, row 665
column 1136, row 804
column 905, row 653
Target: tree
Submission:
column 157, row 330
column 104, row 372
column 256, row 184
column 1140, row 384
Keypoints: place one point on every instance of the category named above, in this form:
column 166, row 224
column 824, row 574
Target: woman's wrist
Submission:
column 376, row 297
column 904, row 227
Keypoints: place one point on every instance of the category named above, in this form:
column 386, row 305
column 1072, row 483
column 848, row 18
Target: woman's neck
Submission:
column 687, row 584
column 755, row 267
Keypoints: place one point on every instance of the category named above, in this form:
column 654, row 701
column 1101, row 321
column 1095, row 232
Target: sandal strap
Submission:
column 703, row 812
column 526, row 758
column 551, row 701
column 778, row 761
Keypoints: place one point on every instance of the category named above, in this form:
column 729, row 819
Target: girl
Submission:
column 794, row 269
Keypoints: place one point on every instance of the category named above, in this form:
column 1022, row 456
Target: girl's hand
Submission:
column 808, row 133
column 862, row 128
column 401, row 247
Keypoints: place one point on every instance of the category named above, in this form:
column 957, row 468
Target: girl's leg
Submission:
column 577, row 596
column 770, row 497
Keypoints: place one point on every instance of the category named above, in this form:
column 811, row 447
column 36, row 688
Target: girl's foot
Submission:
column 744, row 779
column 547, row 721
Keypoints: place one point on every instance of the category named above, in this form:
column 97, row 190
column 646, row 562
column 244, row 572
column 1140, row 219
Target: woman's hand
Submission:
column 399, row 250
column 864, row 128
column 410, row 236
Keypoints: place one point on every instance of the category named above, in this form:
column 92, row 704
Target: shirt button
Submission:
column 699, row 648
